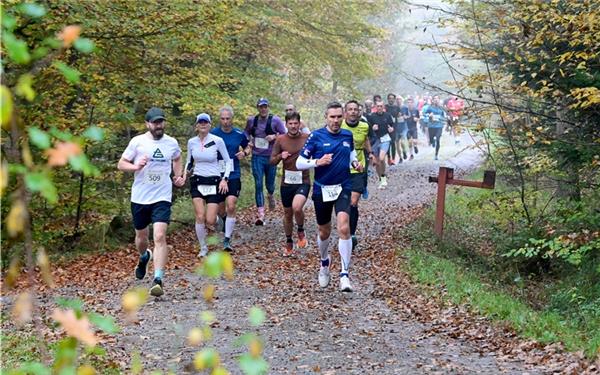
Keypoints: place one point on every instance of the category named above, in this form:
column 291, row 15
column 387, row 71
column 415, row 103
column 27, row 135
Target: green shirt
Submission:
column 360, row 133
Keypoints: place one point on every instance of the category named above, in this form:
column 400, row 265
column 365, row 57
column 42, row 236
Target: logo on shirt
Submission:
column 346, row 144
column 158, row 154
column 326, row 144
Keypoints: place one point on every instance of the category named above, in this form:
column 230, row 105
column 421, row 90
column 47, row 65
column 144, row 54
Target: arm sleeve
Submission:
column 225, row 155
column 353, row 157
column 303, row 163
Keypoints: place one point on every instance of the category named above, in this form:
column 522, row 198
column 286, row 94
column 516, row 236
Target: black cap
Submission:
column 154, row 114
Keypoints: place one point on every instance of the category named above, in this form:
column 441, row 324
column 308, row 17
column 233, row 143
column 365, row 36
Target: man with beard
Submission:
column 360, row 132
column 295, row 184
column 152, row 157
column 263, row 129
column 330, row 151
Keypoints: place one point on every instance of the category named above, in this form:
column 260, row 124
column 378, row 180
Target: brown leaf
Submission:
column 62, row 151
column 77, row 328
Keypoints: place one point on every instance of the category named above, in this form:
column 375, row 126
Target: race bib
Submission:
column 222, row 165
column 435, row 118
column 261, row 143
column 293, row 177
column 331, row 192
column 385, row 138
column 155, row 177
column 207, row 189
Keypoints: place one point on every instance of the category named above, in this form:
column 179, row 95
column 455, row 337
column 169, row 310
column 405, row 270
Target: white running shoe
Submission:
column 324, row 277
column 345, row 285
column 203, row 251
column 384, row 181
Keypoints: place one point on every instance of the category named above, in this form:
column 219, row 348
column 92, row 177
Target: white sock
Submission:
column 323, row 247
column 229, row 224
column 345, row 248
column 201, row 234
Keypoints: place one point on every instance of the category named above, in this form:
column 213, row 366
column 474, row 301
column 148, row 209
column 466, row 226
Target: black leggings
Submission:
column 435, row 133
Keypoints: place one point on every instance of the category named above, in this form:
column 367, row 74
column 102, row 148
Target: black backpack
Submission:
column 268, row 129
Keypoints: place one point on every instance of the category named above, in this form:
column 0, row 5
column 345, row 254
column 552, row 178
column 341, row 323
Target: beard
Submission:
column 157, row 133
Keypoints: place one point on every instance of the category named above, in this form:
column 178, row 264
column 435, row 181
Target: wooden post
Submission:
column 446, row 177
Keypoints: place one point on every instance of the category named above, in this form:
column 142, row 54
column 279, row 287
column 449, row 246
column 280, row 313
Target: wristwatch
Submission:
column 225, row 179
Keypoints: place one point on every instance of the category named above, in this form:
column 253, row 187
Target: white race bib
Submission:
column 261, row 143
column 207, row 189
column 155, row 177
column 385, row 138
column 293, row 177
column 222, row 165
column 435, row 118
column 331, row 192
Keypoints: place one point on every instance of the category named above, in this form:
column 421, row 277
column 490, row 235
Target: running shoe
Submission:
column 412, row 156
column 354, row 242
column 435, row 158
column 383, row 181
column 157, row 288
column 271, row 200
column 404, row 155
column 288, row 249
column 302, row 242
column 259, row 221
column 203, row 251
column 365, row 194
column 416, row 150
column 324, row 277
column 345, row 285
column 227, row 244
column 142, row 266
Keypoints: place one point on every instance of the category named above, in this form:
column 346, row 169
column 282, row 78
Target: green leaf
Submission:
column 94, row 133
column 24, row 88
column 40, row 52
column 6, row 107
column 71, row 74
column 84, row 45
column 34, row 368
column 253, row 366
column 42, row 183
column 207, row 317
column 63, row 136
column 256, row 316
column 32, row 10
column 8, row 22
column 52, row 42
column 70, row 303
column 212, row 265
column 105, row 323
column 16, row 49
column 39, row 138
column 81, row 163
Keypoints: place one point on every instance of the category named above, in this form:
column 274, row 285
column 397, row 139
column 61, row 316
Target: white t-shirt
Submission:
column 203, row 155
column 152, row 183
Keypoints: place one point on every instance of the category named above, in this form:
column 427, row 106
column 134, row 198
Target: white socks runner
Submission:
column 201, row 234
column 229, row 224
column 345, row 248
column 323, row 247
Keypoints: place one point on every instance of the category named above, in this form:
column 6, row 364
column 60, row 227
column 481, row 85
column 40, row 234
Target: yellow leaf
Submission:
column 6, row 107
column 3, row 176
column 69, row 34
column 86, row 370
column 44, row 263
column 195, row 336
column 132, row 300
column 208, row 292
column 13, row 272
column 77, row 328
column 15, row 221
column 22, row 311
column 255, row 348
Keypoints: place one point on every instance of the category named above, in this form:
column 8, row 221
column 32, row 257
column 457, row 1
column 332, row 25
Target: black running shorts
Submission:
column 196, row 181
column 145, row 214
column 324, row 209
column 288, row 192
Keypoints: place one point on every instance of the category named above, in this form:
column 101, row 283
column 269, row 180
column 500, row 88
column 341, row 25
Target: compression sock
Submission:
column 158, row 274
column 201, row 234
column 345, row 248
column 229, row 224
column 323, row 248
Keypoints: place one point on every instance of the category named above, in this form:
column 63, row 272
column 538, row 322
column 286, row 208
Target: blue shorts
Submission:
column 384, row 147
column 144, row 214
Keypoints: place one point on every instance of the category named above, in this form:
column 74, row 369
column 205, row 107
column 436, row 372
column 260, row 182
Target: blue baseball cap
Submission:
column 262, row 101
column 203, row 117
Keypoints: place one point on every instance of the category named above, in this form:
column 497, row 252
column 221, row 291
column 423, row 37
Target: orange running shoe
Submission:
column 288, row 250
column 301, row 243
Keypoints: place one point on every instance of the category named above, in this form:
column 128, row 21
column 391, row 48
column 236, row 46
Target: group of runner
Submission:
column 338, row 153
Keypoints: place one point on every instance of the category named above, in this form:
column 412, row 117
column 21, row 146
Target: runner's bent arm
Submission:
column 226, row 159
